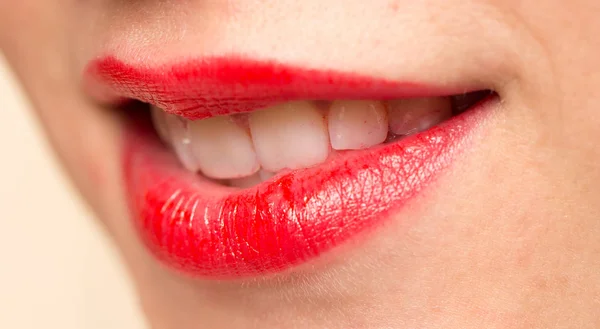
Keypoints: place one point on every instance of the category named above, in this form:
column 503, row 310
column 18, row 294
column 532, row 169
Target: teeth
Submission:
column 222, row 148
column 247, row 149
column 246, row 182
column 160, row 123
column 264, row 175
column 409, row 116
column 289, row 135
column 357, row 125
column 179, row 135
column 250, row 181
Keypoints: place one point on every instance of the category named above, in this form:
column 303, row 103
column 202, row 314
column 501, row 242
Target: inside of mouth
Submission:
column 243, row 150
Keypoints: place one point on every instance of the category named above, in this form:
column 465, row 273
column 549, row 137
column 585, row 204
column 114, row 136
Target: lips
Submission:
column 215, row 231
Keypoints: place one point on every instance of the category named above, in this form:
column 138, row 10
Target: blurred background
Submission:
column 57, row 268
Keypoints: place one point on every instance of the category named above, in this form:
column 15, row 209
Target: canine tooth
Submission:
column 222, row 148
column 409, row 116
column 289, row 135
column 357, row 125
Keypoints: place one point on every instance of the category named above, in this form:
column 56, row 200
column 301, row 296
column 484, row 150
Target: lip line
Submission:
column 203, row 87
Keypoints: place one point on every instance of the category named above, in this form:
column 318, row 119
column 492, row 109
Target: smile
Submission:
column 254, row 167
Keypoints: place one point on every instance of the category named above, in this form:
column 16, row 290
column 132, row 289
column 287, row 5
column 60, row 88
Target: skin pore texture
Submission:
column 506, row 238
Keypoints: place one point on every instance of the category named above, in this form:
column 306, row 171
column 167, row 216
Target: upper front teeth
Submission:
column 291, row 135
column 222, row 148
column 355, row 125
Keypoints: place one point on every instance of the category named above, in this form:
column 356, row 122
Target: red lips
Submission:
column 214, row 231
column 220, row 86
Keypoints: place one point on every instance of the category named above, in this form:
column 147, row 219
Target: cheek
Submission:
column 87, row 139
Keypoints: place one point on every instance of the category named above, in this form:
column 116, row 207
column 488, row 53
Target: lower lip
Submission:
column 213, row 231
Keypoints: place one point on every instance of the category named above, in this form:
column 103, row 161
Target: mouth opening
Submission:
column 243, row 150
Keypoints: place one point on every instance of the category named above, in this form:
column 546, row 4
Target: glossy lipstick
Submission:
column 210, row 230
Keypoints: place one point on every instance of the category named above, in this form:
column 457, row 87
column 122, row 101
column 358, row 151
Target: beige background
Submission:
column 57, row 269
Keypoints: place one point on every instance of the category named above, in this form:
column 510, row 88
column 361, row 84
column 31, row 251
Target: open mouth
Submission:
column 244, row 150
column 263, row 166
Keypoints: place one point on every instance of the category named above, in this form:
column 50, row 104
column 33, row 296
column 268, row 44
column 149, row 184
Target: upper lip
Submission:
column 207, row 87
column 210, row 230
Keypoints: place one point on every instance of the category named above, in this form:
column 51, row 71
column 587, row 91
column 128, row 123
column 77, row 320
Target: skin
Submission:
column 507, row 239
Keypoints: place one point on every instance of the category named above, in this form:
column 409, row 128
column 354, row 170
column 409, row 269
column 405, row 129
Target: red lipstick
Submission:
column 221, row 86
column 210, row 230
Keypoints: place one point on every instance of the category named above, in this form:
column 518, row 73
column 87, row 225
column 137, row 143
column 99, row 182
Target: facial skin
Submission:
column 509, row 238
